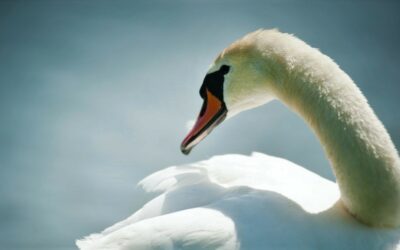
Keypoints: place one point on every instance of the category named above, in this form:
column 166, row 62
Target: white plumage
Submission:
column 264, row 202
column 241, row 202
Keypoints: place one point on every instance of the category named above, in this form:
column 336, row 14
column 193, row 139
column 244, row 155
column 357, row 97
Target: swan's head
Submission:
column 237, row 80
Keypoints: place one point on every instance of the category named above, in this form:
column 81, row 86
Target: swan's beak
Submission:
column 212, row 113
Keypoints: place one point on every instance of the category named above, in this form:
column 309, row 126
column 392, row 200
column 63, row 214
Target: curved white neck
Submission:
column 364, row 159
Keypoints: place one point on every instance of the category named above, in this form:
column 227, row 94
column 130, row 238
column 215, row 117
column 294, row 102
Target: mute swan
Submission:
column 264, row 202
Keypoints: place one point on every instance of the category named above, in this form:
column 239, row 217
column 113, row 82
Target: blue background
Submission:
column 95, row 95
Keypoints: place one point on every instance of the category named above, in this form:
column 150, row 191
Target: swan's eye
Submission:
column 224, row 69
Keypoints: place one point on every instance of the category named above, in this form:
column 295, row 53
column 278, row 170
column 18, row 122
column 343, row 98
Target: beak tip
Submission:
column 185, row 150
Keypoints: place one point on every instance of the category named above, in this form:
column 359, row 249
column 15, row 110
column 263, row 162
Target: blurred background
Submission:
column 95, row 95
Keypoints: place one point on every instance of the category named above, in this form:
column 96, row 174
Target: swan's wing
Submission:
column 197, row 228
column 201, row 183
column 232, row 201
column 258, row 171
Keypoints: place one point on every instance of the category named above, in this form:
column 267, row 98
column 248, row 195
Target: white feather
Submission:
column 248, row 202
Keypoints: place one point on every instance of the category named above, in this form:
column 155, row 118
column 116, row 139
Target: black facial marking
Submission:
column 214, row 82
column 203, row 107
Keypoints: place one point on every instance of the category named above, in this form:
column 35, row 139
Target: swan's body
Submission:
column 235, row 201
column 261, row 202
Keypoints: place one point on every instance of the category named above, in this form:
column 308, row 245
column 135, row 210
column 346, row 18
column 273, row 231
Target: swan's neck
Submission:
column 364, row 159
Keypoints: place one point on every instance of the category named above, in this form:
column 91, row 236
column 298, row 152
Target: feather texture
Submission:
column 247, row 202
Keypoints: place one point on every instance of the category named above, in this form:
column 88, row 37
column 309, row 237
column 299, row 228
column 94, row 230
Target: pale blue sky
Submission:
column 95, row 95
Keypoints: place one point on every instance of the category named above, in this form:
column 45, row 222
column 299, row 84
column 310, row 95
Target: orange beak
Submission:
column 212, row 113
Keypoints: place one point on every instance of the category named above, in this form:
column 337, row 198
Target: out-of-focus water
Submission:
column 95, row 95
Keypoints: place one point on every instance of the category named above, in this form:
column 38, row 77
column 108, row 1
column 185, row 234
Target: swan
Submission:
column 264, row 202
